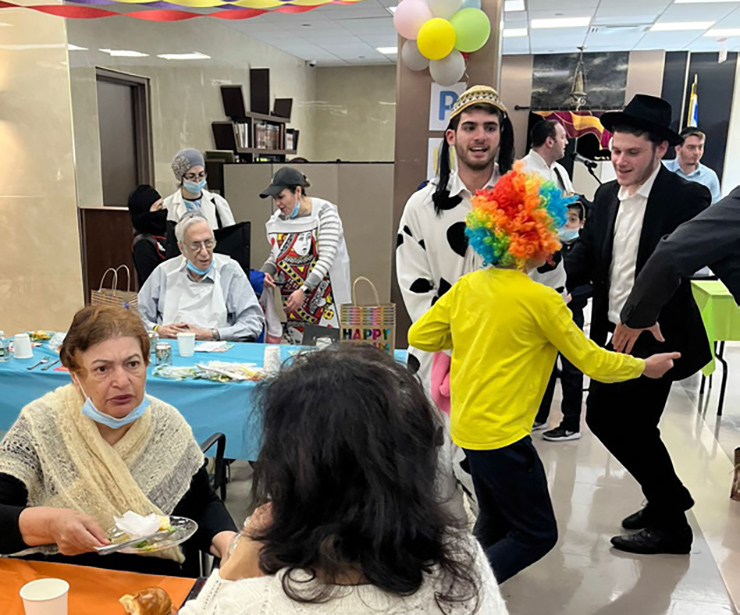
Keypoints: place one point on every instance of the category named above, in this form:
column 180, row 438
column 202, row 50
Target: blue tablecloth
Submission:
column 208, row 407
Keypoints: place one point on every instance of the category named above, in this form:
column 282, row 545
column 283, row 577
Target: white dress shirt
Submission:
column 534, row 163
column 627, row 232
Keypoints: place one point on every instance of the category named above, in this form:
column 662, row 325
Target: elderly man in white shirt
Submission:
column 200, row 292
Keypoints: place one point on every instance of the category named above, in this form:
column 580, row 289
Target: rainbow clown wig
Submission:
column 517, row 220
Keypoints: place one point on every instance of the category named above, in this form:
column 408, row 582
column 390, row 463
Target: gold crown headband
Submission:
column 477, row 95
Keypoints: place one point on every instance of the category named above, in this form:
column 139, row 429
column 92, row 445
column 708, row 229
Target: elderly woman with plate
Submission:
column 92, row 450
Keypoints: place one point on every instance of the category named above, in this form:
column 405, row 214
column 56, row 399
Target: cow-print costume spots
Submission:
column 439, row 254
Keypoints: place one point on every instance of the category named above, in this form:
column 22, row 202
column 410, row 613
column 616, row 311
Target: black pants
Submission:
column 625, row 417
column 571, row 379
column 516, row 524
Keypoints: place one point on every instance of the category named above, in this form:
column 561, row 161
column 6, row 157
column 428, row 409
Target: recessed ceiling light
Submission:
column 124, row 53
column 723, row 32
column 677, row 26
column 514, row 32
column 560, row 22
column 511, row 6
column 71, row 47
column 196, row 55
column 391, row 9
column 388, row 51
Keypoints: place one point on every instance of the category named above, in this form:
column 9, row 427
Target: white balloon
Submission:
column 448, row 71
column 444, row 8
column 412, row 57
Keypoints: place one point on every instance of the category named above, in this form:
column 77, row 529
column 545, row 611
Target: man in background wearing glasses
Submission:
column 200, row 292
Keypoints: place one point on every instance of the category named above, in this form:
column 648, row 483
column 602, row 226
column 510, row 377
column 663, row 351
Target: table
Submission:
column 209, row 407
column 92, row 591
column 721, row 316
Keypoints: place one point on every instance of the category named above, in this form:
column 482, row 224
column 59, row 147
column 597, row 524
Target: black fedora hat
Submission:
column 645, row 113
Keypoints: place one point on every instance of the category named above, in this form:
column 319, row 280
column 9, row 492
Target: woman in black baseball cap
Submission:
column 308, row 259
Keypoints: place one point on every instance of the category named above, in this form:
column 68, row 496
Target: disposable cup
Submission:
column 45, row 597
column 273, row 360
column 186, row 344
column 23, row 348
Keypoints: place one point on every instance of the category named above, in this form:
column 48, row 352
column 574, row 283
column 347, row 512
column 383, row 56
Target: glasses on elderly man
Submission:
column 192, row 177
column 197, row 246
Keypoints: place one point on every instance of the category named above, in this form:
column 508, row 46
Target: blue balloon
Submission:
column 470, row 4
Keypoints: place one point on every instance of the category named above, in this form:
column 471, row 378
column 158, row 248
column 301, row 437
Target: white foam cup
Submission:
column 23, row 348
column 45, row 597
column 186, row 344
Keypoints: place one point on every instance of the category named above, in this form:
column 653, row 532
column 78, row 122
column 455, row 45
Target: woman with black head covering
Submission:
column 149, row 218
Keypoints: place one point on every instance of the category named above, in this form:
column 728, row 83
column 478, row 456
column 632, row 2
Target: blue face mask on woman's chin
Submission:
column 194, row 187
column 90, row 411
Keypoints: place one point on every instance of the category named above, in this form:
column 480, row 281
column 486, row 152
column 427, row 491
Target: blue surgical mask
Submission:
column 568, row 235
column 194, row 187
column 296, row 209
column 90, row 411
column 194, row 269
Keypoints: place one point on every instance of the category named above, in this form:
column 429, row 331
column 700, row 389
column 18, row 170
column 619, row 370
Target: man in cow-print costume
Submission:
column 432, row 250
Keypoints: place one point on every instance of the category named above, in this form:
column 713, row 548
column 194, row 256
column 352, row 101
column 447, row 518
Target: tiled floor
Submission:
column 591, row 493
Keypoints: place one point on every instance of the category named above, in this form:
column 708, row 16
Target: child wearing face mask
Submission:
column 571, row 379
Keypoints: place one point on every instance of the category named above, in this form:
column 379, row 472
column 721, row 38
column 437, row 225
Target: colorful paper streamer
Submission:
column 239, row 12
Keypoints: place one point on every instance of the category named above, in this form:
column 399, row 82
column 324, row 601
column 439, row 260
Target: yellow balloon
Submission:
column 436, row 39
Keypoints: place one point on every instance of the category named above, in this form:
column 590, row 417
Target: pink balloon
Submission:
column 410, row 16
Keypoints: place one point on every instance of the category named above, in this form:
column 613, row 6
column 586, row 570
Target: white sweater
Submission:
column 265, row 596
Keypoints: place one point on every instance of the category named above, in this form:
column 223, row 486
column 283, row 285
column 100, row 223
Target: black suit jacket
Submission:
column 672, row 202
column 710, row 239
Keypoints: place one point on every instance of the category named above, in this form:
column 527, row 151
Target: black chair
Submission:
column 218, row 478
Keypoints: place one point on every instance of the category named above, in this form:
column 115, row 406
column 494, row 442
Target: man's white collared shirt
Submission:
column 534, row 163
column 627, row 232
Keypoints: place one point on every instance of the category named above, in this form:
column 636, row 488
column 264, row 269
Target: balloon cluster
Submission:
column 440, row 34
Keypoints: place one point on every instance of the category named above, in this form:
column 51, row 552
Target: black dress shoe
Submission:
column 651, row 541
column 639, row 520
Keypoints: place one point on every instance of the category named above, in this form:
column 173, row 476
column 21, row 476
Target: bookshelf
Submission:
column 253, row 137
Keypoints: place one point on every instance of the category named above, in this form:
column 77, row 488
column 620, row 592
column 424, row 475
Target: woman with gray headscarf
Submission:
column 190, row 171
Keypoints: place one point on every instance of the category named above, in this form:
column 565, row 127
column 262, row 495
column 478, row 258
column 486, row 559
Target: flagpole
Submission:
column 692, row 119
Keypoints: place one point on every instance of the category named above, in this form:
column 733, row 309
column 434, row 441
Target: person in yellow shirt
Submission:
column 505, row 331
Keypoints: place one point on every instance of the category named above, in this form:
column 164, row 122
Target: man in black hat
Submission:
column 711, row 239
column 630, row 216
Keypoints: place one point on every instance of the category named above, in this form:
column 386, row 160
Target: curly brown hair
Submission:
column 98, row 323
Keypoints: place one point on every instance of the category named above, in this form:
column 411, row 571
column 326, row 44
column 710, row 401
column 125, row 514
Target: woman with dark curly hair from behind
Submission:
column 348, row 521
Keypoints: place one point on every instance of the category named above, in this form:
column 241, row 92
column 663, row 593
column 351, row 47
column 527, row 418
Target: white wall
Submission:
column 186, row 96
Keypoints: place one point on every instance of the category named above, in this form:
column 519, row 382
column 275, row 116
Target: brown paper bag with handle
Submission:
column 126, row 299
column 369, row 324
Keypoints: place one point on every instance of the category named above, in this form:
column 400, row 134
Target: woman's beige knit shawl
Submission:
column 64, row 462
